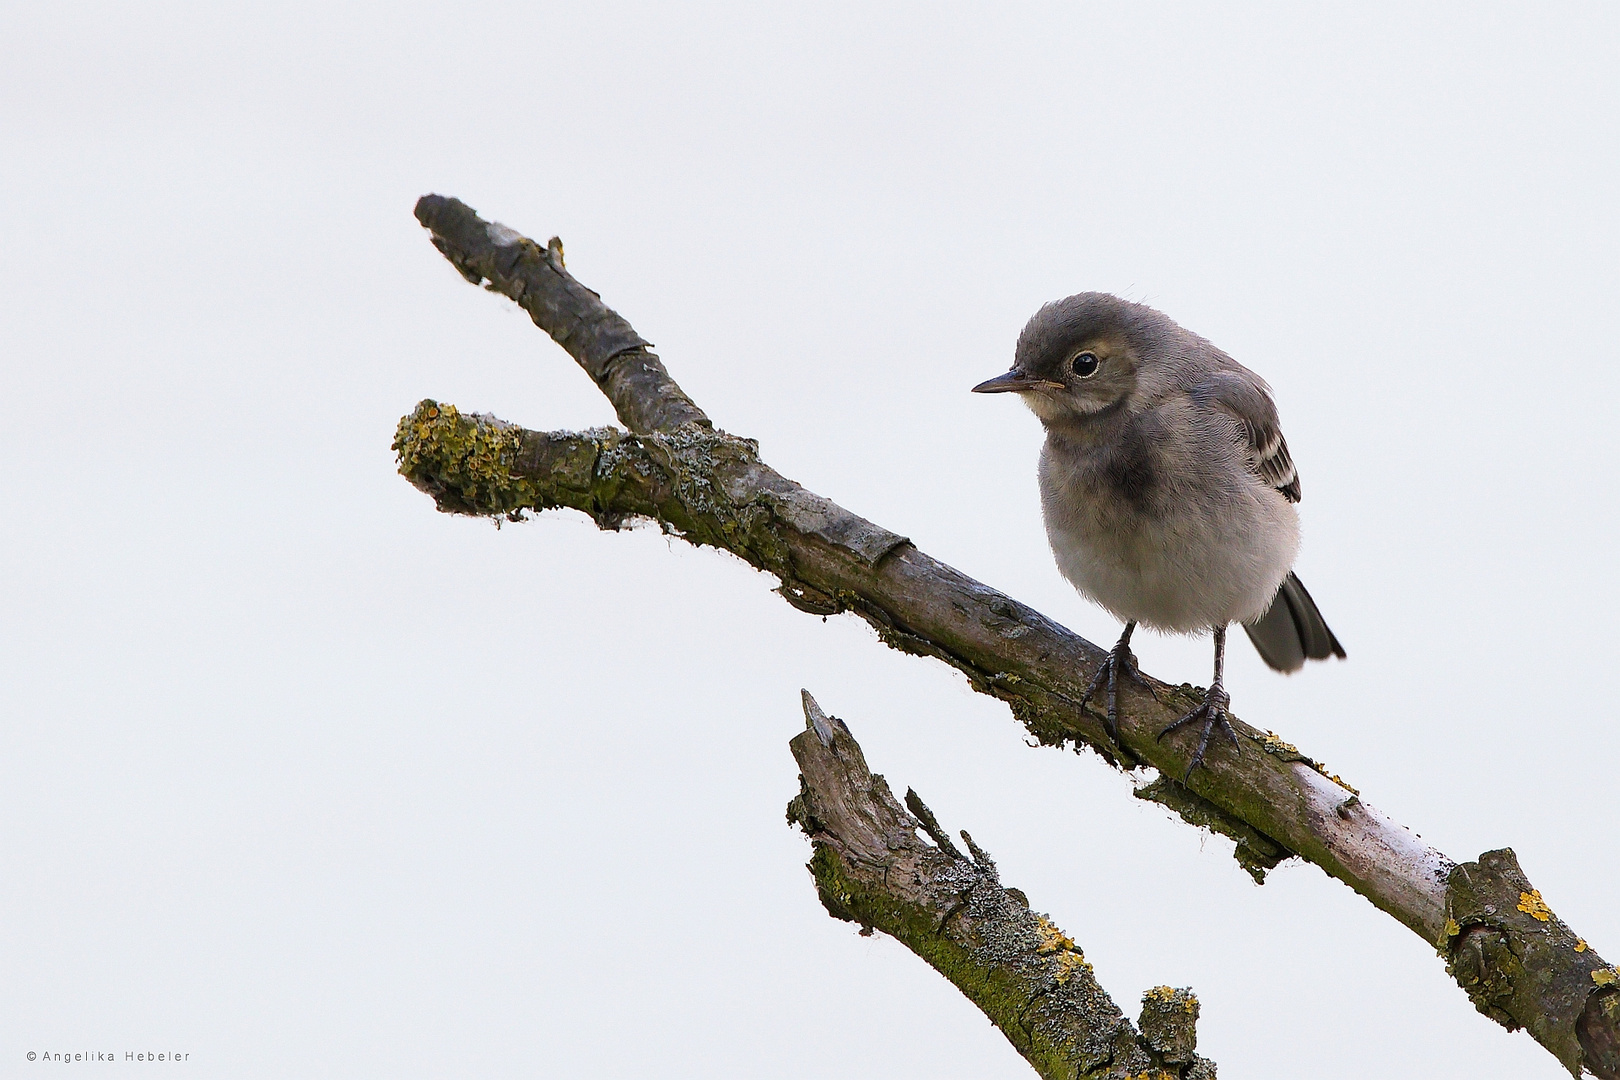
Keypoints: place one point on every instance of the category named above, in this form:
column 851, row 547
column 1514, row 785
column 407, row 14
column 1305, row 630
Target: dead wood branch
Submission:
column 1519, row 963
column 1029, row 977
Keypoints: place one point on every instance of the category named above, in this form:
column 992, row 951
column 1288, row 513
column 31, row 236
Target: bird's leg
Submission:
column 1119, row 660
column 1212, row 712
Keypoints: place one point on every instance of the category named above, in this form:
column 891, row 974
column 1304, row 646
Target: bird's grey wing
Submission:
column 1242, row 396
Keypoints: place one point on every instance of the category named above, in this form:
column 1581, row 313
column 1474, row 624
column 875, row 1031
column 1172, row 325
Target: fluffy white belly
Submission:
column 1196, row 559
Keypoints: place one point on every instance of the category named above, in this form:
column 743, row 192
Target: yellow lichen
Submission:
column 1321, row 768
column 1452, row 929
column 1580, row 945
column 1052, row 939
column 1532, row 905
column 1071, row 964
column 1168, row 995
column 1606, row 976
column 1274, row 744
column 1054, row 942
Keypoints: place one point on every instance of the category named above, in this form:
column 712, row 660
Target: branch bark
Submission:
column 1029, row 978
column 1519, row 964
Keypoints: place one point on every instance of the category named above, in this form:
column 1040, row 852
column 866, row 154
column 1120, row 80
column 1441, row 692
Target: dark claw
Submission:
column 1108, row 673
column 1120, row 659
column 1213, row 714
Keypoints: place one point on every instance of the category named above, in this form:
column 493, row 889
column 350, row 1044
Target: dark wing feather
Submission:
column 1292, row 630
column 1243, row 397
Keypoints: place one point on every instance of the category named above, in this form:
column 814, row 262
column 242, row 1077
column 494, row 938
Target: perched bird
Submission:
column 1167, row 489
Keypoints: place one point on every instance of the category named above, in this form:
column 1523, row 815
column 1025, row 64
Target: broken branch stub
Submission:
column 1026, row 975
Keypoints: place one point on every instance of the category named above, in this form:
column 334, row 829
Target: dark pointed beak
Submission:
column 1014, row 381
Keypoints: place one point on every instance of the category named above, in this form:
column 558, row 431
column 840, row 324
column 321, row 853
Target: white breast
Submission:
column 1207, row 544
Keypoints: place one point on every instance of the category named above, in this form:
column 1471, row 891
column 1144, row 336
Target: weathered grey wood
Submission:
column 616, row 358
column 711, row 488
column 1029, row 978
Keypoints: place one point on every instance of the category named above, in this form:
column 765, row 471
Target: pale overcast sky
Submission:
column 304, row 779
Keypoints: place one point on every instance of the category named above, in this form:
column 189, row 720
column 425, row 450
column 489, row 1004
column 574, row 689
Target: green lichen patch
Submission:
column 465, row 462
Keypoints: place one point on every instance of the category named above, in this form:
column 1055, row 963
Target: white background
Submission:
column 302, row 778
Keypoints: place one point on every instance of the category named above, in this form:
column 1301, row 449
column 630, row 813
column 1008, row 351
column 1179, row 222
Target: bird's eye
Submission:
column 1085, row 365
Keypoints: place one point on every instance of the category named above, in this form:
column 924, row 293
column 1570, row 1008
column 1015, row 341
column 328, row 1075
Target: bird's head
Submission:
column 1080, row 359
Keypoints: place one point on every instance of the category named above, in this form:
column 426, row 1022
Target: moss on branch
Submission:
column 675, row 468
column 1522, row 966
column 711, row 489
column 1029, row 977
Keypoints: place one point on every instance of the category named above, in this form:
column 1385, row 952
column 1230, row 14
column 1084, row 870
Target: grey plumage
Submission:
column 1167, row 487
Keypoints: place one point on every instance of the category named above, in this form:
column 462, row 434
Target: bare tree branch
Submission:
column 1028, row 977
column 1522, row 966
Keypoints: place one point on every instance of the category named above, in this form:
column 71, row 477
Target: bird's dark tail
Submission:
column 1292, row 631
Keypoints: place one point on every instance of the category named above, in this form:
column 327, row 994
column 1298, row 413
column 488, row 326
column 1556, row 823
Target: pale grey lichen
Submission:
column 502, row 235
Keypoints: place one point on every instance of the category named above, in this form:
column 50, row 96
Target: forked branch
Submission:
column 1519, row 963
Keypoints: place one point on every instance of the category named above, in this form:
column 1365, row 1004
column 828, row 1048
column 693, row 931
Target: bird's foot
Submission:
column 1212, row 713
column 1120, row 662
